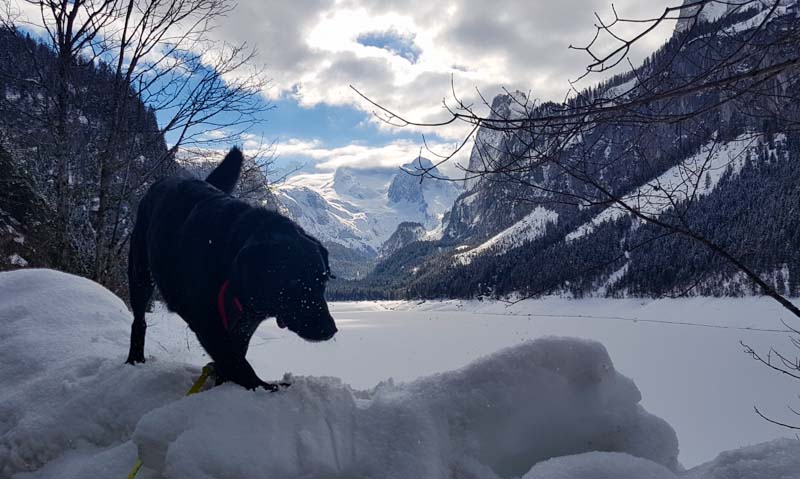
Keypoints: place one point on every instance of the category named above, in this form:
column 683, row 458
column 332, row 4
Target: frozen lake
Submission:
column 684, row 354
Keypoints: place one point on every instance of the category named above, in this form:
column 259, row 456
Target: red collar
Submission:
column 221, row 303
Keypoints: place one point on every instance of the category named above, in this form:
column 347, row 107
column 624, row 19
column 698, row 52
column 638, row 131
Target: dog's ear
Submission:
column 253, row 267
column 323, row 251
column 226, row 174
column 250, row 273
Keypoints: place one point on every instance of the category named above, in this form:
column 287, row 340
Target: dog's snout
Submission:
column 317, row 329
column 331, row 332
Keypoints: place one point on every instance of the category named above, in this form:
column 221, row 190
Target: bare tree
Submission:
column 745, row 65
column 161, row 54
column 257, row 177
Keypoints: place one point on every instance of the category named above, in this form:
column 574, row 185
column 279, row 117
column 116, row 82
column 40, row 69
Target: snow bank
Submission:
column 599, row 465
column 63, row 341
column 494, row 418
column 70, row 408
column 778, row 459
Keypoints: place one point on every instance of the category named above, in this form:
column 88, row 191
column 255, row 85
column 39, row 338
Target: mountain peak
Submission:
column 409, row 186
column 419, row 163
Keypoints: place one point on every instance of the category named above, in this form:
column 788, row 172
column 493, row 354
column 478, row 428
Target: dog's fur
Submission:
column 191, row 237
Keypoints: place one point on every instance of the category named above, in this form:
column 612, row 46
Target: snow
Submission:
column 351, row 206
column 690, row 375
column 612, row 280
column 622, row 90
column 484, row 421
column 713, row 11
column 696, row 176
column 599, row 465
column 64, row 382
column 17, row 260
column 759, row 18
column 12, row 95
column 530, row 227
column 779, row 459
column 480, row 390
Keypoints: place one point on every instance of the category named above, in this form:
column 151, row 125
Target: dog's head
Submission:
column 283, row 274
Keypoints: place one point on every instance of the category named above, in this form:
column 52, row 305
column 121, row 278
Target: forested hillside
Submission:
column 52, row 168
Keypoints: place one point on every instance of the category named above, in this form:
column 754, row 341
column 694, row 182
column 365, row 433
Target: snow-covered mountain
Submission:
column 361, row 208
column 717, row 9
column 727, row 172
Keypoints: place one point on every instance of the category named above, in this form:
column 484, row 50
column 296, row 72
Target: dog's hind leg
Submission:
column 140, row 286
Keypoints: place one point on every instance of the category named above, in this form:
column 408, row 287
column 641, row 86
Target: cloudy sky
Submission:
column 403, row 54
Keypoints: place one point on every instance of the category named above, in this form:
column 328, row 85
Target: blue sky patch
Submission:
column 393, row 41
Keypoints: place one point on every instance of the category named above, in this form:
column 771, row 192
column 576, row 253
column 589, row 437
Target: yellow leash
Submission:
column 207, row 370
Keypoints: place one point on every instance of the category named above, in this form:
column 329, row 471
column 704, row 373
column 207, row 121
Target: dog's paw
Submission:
column 269, row 386
column 274, row 387
column 134, row 360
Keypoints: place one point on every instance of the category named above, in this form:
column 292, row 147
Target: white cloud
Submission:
column 389, row 155
column 310, row 50
column 309, row 47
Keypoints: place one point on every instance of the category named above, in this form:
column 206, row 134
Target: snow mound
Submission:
column 64, row 382
column 599, row 465
column 494, row 418
column 778, row 459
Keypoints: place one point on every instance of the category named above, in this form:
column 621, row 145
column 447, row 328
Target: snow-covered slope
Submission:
column 695, row 177
column 530, row 227
column 70, row 408
column 711, row 12
column 716, row 9
column 361, row 208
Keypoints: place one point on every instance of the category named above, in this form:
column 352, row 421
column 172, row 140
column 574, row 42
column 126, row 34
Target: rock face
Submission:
column 717, row 9
column 711, row 12
column 407, row 188
column 422, row 186
column 406, row 233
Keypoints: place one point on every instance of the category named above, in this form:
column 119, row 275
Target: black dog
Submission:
column 225, row 266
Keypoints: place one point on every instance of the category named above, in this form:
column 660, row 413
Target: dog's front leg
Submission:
column 269, row 386
column 229, row 361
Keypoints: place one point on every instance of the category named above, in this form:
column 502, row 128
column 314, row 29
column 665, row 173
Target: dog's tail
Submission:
column 226, row 174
